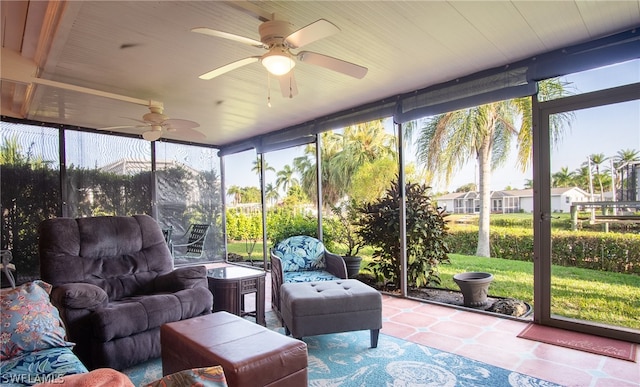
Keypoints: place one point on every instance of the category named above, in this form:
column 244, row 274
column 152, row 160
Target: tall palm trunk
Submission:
column 484, row 182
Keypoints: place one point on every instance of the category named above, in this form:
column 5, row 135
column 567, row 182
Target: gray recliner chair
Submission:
column 114, row 285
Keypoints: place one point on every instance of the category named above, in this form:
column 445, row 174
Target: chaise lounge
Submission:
column 302, row 258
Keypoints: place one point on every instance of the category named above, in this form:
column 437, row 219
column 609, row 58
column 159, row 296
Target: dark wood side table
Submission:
column 230, row 284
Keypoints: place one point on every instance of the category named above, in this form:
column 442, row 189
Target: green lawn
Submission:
column 598, row 296
column 241, row 248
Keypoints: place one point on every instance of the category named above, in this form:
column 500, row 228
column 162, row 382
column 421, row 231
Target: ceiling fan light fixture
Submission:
column 278, row 63
column 154, row 134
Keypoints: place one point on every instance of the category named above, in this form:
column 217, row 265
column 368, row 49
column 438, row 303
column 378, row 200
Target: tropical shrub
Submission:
column 243, row 226
column 425, row 232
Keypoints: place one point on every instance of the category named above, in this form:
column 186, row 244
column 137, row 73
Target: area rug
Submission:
column 345, row 359
column 588, row 343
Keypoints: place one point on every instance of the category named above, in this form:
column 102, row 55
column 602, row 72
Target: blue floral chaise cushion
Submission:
column 33, row 346
column 303, row 260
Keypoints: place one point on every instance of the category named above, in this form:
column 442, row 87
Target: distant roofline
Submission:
column 523, row 193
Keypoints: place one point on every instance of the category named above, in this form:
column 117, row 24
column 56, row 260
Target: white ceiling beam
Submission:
column 17, row 69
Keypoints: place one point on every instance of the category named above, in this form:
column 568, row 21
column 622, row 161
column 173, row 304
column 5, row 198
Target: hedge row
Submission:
column 591, row 250
column 559, row 222
column 556, row 223
column 281, row 224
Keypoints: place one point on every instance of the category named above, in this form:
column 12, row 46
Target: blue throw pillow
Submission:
column 29, row 321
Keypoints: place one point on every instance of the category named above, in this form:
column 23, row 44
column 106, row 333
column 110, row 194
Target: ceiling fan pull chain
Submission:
column 290, row 88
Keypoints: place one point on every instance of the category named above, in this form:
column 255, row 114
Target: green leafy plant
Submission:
column 347, row 225
column 425, row 230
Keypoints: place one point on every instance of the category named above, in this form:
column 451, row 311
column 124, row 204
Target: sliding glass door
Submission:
column 587, row 267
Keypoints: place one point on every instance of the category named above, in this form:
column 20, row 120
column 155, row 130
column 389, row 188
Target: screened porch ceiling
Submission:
column 106, row 57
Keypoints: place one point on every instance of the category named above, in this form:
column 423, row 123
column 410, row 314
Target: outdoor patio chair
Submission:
column 195, row 237
column 302, row 259
column 166, row 232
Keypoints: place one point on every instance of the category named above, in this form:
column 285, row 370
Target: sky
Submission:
column 604, row 130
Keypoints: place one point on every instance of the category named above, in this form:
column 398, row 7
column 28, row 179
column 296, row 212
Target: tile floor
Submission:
column 494, row 340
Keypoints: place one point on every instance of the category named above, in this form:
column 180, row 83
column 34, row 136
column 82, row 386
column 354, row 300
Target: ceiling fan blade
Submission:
column 125, row 127
column 178, row 124
column 187, row 134
column 137, row 120
column 310, row 33
column 334, row 64
column 288, row 85
column 118, row 127
column 226, row 35
column 229, row 67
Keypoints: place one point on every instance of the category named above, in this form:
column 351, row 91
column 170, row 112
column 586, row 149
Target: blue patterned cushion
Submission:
column 29, row 321
column 48, row 365
column 308, row 276
column 300, row 253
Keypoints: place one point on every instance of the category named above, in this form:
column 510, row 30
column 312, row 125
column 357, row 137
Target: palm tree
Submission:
column 342, row 155
column 449, row 141
column 625, row 156
column 563, row 178
column 359, row 145
column 236, row 192
column 285, row 178
column 469, row 187
column 257, row 166
column 271, row 193
column 306, row 167
column 595, row 161
column 581, row 178
column 362, row 144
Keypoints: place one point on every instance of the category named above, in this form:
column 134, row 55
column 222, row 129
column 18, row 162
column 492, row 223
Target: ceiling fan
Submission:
column 277, row 37
column 157, row 122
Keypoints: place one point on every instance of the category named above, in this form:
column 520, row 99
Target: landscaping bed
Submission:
column 501, row 305
column 508, row 306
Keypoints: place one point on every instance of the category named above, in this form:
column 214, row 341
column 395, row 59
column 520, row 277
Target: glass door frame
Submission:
column 542, row 206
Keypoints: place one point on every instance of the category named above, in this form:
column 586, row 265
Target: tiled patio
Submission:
column 493, row 340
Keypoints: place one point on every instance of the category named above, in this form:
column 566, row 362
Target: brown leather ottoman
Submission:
column 250, row 354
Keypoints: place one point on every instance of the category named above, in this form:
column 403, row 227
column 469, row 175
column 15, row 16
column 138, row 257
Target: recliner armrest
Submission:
column 79, row 296
column 182, row 278
column 276, row 281
column 335, row 265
